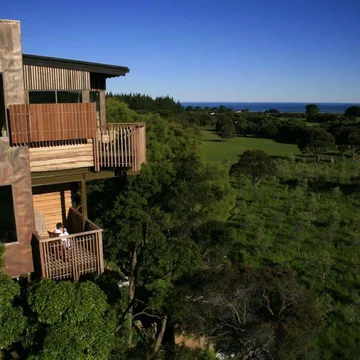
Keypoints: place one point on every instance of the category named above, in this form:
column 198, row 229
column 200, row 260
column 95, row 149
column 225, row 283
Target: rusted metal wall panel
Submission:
column 46, row 78
column 11, row 64
column 15, row 171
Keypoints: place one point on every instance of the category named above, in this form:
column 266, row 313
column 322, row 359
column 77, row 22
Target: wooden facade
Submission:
column 47, row 78
column 47, row 124
column 62, row 157
column 50, row 208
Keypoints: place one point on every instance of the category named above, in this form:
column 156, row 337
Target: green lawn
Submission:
column 220, row 151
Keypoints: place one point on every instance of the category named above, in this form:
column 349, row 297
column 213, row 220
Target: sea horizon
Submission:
column 294, row 107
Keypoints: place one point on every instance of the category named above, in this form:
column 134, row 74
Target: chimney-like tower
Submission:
column 11, row 63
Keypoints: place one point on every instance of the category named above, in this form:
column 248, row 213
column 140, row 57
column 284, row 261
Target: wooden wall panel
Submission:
column 46, row 78
column 51, row 208
column 61, row 157
column 51, row 122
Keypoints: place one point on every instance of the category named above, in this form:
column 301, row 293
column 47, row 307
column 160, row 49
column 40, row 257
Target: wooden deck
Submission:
column 70, row 256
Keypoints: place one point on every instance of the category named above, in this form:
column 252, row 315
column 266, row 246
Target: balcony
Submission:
column 121, row 145
column 66, row 136
column 70, row 256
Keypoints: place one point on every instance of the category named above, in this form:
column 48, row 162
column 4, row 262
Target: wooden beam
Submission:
column 102, row 100
column 84, row 210
column 59, row 177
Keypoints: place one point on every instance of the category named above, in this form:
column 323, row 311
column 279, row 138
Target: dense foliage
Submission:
column 253, row 313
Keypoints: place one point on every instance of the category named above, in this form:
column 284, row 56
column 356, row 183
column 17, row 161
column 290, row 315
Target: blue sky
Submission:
column 206, row 50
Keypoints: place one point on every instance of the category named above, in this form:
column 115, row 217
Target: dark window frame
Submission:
column 55, row 93
column 15, row 216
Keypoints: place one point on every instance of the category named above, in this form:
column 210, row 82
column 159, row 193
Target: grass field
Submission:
column 306, row 218
column 218, row 151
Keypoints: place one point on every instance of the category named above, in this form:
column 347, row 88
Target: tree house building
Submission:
column 54, row 137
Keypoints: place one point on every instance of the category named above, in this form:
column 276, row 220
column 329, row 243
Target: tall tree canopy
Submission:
column 317, row 141
column 150, row 219
column 352, row 111
column 256, row 165
column 311, row 110
column 254, row 314
column 69, row 321
column 12, row 320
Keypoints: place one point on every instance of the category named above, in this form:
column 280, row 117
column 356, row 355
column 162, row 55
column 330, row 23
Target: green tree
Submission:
column 69, row 321
column 256, row 165
column 317, row 141
column 349, row 139
column 225, row 127
column 261, row 313
column 12, row 320
column 311, row 110
column 352, row 111
column 149, row 218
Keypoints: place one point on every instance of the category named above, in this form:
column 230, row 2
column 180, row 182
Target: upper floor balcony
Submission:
column 66, row 136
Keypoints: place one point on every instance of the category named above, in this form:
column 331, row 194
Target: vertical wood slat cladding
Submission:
column 53, row 207
column 32, row 123
column 121, row 145
column 46, row 78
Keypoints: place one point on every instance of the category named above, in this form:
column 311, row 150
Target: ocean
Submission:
column 282, row 107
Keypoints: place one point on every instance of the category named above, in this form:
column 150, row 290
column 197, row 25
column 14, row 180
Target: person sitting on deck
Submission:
column 65, row 241
column 58, row 229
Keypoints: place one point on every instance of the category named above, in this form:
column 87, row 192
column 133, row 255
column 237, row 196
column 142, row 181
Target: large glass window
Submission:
column 42, row 97
column 69, row 97
column 7, row 215
column 53, row 97
column 95, row 98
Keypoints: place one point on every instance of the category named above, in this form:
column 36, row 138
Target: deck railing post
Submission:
column 42, row 258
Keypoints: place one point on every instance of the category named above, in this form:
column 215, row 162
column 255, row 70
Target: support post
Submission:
column 83, row 203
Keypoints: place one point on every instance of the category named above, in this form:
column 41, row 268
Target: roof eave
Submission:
column 96, row 68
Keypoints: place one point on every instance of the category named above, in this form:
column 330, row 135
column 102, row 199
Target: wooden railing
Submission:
column 70, row 256
column 121, row 145
column 48, row 124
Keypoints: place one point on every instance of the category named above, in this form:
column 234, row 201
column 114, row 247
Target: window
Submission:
column 42, row 97
column 95, row 98
column 69, row 97
column 7, row 215
column 53, row 97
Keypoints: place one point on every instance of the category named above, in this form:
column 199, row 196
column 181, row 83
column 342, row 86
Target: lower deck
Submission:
column 65, row 256
column 71, row 257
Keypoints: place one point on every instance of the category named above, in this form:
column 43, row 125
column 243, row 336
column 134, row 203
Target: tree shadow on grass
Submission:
column 215, row 140
column 324, row 186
